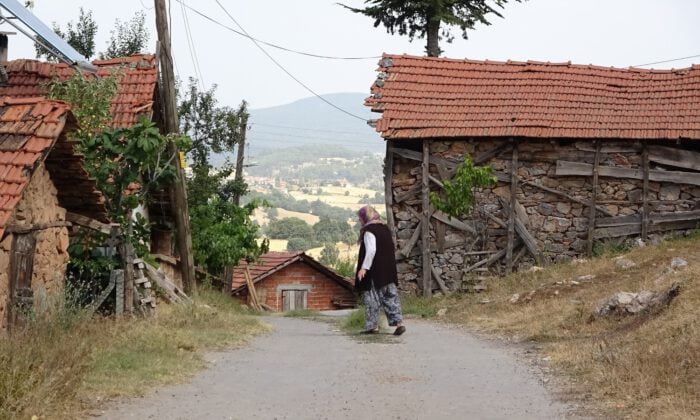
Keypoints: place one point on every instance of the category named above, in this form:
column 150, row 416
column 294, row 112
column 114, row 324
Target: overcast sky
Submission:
column 605, row 32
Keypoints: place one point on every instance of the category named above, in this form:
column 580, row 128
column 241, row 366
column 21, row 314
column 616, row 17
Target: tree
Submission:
column 80, row 35
column 290, row 227
column 299, row 244
column 329, row 254
column 127, row 38
column 459, row 193
column 423, row 18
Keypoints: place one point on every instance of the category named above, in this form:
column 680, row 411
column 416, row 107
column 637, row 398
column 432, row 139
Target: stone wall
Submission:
column 39, row 205
column 559, row 225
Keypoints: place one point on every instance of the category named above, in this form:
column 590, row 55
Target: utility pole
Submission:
column 241, row 150
column 178, row 190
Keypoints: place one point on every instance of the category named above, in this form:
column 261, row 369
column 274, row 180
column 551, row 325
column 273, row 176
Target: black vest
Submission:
column 383, row 269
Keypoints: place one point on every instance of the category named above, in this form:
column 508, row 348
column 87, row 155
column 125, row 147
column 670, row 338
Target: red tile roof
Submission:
column 32, row 132
column 138, row 76
column 422, row 97
column 272, row 262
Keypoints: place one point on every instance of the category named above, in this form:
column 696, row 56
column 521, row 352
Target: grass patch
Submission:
column 70, row 361
column 301, row 313
column 419, row 306
column 640, row 367
column 355, row 322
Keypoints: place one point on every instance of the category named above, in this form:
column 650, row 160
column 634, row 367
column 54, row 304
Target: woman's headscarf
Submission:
column 368, row 215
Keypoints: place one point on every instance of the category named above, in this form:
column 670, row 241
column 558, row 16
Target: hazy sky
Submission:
column 605, row 32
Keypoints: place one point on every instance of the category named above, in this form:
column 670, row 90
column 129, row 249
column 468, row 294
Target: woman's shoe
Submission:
column 373, row 331
column 400, row 330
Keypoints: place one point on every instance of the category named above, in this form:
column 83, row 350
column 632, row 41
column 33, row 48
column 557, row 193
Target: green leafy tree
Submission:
column 329, row 254
column 459, row 193
column 223, row 234
column 424, row 18
column 127, row 38
column 290, row 227
column 80, row 35
column 331, row 229
column 299, row 244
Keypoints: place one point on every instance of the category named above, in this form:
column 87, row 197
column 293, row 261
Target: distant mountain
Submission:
column 312, row 121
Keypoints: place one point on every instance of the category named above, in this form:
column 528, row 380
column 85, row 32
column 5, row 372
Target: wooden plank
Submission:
column 565, row 168
column 645, row 191
column 403, row 196
column 417, row 156
column 174, row 293
column 106, row 292
column 119, row 293
column 21, row 296
column 408, row 247
column 525, row 235
column 610, row 148
column 443, row 288
column 511, row 212
column 631, row 219
column 618, row 231
column 33, row 228
column 678, row 216
column 88, row 222
column 674, row 157
column 425, row 219
column 490, row 260
column 454, row 222
column 594, row 195
column 388, row 191
column 417, row 250
column 490, row 154
column 436, row 181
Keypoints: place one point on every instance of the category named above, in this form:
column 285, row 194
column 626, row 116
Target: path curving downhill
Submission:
column 309, row 370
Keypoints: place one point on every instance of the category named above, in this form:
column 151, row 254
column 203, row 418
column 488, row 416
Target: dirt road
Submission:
column 310, row 370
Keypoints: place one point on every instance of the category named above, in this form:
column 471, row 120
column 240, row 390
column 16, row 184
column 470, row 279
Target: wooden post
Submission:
column 241, row 154
column 425, row 221
column 179, row 191
column 645, row 191
column 594, row 194
column 511, row 216
column 388, row 190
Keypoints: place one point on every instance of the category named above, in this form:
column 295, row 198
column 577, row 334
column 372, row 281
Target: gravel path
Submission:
column 310, row 370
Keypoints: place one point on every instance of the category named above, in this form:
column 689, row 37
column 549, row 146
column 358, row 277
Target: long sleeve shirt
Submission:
column 370, row 250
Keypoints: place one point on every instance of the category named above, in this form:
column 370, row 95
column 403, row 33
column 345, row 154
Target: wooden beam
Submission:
column 408, row 247
column 79, row 219
column 402, row 196
column 610, row 148
column 674, row 157
column 33, row 228
column 417, row 156
column 425, row 220
column 627, row 230
column 388, row 191
column 454, row 222
column 525, row 235
column 594, row 194
column 440, row 236
column 490, row 260
column 565, row 168
column 645, row 191
column 511, row 213
column 440, row 282
column 490, row 154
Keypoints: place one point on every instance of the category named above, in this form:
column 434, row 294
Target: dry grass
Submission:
column 647, row 366
column 311, row 219
column 69, row 362
column 345, row 251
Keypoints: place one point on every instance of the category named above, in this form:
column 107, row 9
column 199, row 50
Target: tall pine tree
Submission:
column 425, row 18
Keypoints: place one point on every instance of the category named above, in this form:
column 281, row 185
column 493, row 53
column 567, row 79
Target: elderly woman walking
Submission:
column 376, row 272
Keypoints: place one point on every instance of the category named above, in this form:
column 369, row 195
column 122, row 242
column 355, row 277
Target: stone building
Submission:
column 584, row 155
column 41, row 178
column 292, row 280
column 137, row 97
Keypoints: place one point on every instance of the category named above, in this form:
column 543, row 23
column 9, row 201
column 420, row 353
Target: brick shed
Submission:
column 41, row 178
column 584, row 156
column 292, row 280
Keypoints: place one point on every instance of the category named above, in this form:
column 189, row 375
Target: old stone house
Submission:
column 583, row 155
column 286, row 281
column 41, row 178
column 137, row 96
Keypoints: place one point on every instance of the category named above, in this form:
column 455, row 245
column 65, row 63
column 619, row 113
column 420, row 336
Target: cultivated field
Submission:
column 345, row 251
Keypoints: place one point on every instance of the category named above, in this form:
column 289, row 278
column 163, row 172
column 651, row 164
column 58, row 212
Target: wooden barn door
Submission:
column 21, row 269
column 293, row 299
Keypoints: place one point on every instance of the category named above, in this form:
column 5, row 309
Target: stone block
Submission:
column 669, row 192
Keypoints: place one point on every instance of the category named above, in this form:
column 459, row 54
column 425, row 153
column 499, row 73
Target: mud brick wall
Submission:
column 552, row 203
column 39, row 205
column 321, row 289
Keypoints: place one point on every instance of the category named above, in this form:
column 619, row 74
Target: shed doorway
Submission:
column 293, row 299
column 21, row 269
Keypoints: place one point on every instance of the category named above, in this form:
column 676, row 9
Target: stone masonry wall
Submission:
column 559, row 225
column 39, row 205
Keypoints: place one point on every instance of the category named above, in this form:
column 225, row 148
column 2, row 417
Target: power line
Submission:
column 306, row 137
column 284, row 69
column 309, row 129
column 279, row 47
column 190, row 45
column 668, row 61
